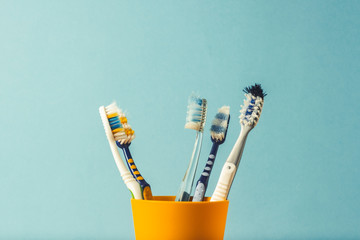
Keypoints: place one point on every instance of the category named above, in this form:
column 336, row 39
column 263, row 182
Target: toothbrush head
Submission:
column 120, row 129
column 129, row 132
column 253, row 104
column 196, row 114
column 220, row 125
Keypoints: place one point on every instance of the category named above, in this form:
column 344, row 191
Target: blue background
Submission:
column 60, row 60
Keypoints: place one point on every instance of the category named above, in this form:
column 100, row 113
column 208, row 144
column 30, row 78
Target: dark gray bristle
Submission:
column 255, row 90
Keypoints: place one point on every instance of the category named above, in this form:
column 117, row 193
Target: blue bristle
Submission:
column 196, row 109
column 114, row 122
column 217, row 129
column 114, row 126
column 221, row 116
column 250, row 109
column 114, row 119
column 196, row 100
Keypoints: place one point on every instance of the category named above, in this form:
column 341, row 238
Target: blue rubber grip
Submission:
column 205, row 175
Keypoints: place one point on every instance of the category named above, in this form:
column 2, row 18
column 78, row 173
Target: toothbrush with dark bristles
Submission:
column 218, row 132
column 249, row 117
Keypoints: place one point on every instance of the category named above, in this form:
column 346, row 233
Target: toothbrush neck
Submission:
column 244, row 132
column 238, row 149
column 125, row 145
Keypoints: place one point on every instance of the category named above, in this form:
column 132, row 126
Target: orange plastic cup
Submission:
column 165, row 219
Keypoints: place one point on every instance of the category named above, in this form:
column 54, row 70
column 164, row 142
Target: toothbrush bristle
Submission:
column 220, row 124
column 255, row 90
column 196, row 114
column 253, row 104
column 130, row 133
column 121, row 130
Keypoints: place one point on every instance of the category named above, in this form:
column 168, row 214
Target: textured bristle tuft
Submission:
column 220, row 124
column 196, row 114
column 130, row 133
column 255, row 90
column 253, row 104
column 121, row 130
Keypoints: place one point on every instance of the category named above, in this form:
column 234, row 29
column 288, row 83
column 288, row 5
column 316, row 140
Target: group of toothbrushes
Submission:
column 120, row 134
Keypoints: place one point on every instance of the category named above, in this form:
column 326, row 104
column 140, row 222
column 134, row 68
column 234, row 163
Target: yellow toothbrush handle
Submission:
column 147, row 194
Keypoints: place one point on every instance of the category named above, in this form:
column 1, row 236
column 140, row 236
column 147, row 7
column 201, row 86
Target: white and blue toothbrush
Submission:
column 218, row 132
column 196, row 117
column 249, row 117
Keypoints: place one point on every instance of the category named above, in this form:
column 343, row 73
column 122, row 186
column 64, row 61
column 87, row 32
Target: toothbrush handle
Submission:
column 145, row 187
column 132, row 185
column 225, row 180
column 202, row 183
column 128, row 179
column 188, row 180
column 229, row 170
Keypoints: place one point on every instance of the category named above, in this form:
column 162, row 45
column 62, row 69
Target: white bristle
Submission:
column 220, row 125
column 255, row 109
column 196, row 114
column 126, row 126
column 112, row 108
column 120, row 136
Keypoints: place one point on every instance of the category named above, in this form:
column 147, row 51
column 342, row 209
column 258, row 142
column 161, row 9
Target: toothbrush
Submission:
column 249, row 116
column 124, row 141
column 110, row 119
column 196, row 116
column 218, row 132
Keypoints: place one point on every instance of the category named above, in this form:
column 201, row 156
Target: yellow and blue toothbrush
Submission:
column 126, row 135
column 111, row 122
